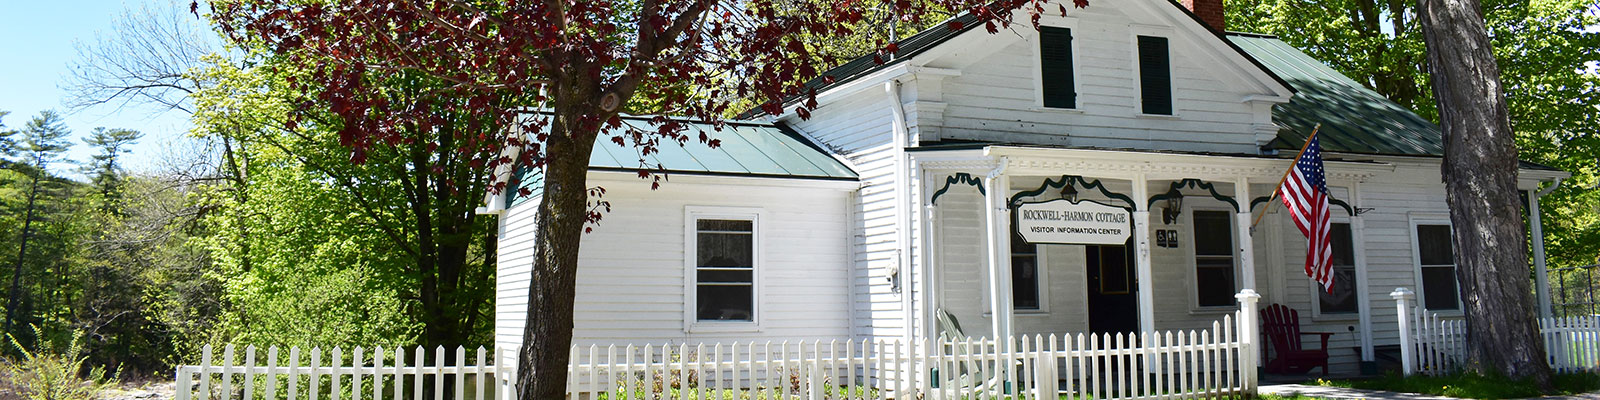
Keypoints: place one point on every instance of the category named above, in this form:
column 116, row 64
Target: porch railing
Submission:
column 1432, row 345
column 1219, row 361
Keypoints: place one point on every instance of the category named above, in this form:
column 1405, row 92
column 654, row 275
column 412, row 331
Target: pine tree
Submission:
column 8, row 145
column 103, row 170
column 44, row 139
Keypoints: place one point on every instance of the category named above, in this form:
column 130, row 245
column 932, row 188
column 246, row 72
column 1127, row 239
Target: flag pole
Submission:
column 1285, row 177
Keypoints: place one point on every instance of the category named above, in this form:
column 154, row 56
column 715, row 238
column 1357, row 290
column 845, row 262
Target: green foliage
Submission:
column 314, row 250
column 7, row 143
column 44, row 139
column 119, row 275
column 300, row 268
column 103, row 168
column 55, row 371
column 1545, row 50
column 1468, row 386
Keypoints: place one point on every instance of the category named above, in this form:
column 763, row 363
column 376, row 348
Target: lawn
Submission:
column 1468, row 386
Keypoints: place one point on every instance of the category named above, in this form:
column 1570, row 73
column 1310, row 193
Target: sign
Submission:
column 1063, row 222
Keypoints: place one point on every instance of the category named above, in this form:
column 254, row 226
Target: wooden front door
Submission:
column 1113, row 302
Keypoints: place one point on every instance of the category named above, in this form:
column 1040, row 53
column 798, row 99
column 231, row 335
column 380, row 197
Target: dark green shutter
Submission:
column 1155, row 75
column 1055, row 66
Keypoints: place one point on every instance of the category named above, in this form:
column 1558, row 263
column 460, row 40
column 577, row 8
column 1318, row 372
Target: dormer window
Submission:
column 1055, row 67
column 1155, row 76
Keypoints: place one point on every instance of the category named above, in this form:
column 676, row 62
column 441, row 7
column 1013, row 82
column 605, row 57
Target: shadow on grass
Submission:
column 1469, row 386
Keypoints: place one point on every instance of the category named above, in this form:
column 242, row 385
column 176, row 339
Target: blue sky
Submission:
column 37, row 41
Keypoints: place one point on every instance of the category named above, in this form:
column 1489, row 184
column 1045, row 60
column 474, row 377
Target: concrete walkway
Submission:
column 1324, row 392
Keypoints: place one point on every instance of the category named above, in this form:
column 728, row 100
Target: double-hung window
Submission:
column 1213, row 258
column 1057, row 86
column 724, row 254
column 1437, row 262
column 1025, row 274
column 1342, row 299
column 1155, row 76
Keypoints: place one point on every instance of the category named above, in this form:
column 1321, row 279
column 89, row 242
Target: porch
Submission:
column 1179, row 247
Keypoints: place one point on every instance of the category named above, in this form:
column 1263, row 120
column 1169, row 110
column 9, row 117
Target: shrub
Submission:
column 52, row 372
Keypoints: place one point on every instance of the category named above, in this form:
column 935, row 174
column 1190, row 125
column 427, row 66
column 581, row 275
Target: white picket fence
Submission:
column 1432, row 345
column 1220, row 361
column 377, row 374
column 1185, row 364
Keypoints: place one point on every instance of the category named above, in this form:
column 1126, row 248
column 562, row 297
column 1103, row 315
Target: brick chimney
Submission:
column 1209, row 11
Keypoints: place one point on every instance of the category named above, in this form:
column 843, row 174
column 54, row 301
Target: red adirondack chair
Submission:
column 1281, row 326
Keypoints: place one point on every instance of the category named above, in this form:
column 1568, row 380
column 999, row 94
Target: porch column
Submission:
column 1540, row 274
column 1141, row 254
column 1358, row 245
column 1247, row 247
column 999, row 235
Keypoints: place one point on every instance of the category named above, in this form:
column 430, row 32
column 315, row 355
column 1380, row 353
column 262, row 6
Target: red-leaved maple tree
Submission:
column 547, row 79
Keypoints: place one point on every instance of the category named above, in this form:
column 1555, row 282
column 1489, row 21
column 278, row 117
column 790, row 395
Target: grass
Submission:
column 1469, row 386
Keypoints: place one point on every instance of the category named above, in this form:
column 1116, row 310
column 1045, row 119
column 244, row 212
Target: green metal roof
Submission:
column 750, row 149
column 1354, row 119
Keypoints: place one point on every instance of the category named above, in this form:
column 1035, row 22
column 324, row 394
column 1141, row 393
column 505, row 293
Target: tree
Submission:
column 105, row 173
column 1544, row 49
column 433, row 251
column 1480, row 174
column 579, row 64
column 8, row 145
column 43, row 142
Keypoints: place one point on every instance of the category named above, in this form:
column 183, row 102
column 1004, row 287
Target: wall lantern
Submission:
column 1069, row 192
column 1174, row 207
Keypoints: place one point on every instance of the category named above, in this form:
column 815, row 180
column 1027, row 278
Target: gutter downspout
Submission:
column 1536, row 229
column 903, row 198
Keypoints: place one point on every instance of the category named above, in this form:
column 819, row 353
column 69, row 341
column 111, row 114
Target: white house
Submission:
column 916, row 190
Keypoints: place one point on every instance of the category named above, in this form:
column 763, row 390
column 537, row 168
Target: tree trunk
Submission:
column 15, row 294
column 1480, row 175
column 547, row 338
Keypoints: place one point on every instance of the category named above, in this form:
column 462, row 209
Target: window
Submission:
column 1437, row 261
column 1025, row 276
column 1055, row 68
column 1342, row 300
column 1213, row 258
column 1155, row 76
column 724, row 269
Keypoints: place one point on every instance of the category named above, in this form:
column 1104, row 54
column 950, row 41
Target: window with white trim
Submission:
column 1213, row 258
column 725, row 259
column 1058, row 86
column 1437, row 263
column 1342, row 299
column 1026, row 277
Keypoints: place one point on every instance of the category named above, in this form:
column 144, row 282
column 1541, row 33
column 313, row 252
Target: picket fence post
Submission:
column 1402, row 298
column 1249, row 350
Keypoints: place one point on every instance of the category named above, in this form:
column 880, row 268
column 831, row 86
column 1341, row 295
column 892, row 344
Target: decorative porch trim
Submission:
column 959, row 177
column 1120, row 164
column 1346, row 206
column 1193, row 183
column 1077, row 181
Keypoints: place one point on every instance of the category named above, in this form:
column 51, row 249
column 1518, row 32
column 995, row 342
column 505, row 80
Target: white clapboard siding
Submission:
column 857, row 128
column 994, row 98
column 1433, row 345
column 638, row 295
column 374, row 374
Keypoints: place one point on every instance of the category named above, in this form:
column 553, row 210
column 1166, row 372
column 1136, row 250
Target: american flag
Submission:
column 1305, row 193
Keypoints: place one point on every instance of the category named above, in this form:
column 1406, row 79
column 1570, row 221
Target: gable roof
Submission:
column 941, row 32
column 1354, row 119
column 749, row 149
